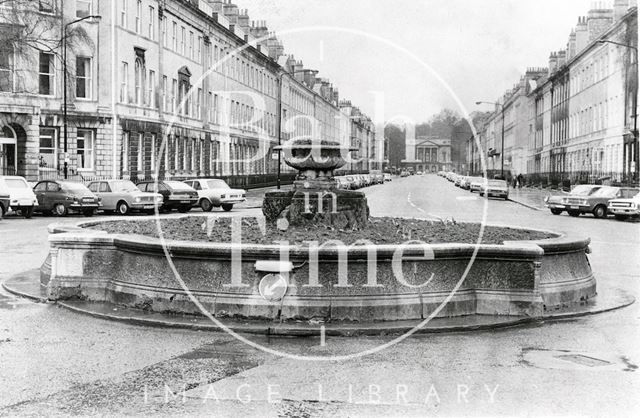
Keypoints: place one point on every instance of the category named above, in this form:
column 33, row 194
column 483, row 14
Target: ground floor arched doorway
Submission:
column 8, row 151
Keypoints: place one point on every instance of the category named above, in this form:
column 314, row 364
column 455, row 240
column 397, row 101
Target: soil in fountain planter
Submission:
column 378, row 231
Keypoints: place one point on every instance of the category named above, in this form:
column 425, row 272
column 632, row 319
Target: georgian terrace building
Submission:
column 582, row 113
column 177, row 86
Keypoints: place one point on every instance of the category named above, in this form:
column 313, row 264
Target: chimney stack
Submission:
column 620, row 8
column 553, row 63
column 582, row 34
column 598, row 20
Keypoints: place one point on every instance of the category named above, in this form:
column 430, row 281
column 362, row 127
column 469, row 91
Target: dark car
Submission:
column 175, row 194
column 556, row 203
column 596, row 203
column 60, row 197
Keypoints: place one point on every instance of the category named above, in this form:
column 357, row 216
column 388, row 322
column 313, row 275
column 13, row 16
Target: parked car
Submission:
column 5, row 199
column 387, row 177
column 624, row 208
column 466, row 183
column 497, row 188
column 216, row 193
column 176, row 194
column 61, row 197
column 476, row 183
column 122, row 196
column 459, row 181
column 404, row 173
column 597, row 202
column 21, row 196
column 377, row 176
column 353, row 182
column 343, row 183
column 556, row 203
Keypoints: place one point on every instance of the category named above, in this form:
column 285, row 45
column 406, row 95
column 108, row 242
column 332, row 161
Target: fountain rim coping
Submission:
column 561, row 243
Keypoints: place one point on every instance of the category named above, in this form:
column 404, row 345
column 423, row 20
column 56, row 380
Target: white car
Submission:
column 122, row 196
column 625, row 208
column 216, row 193
column 21, row 195
column 476, row 183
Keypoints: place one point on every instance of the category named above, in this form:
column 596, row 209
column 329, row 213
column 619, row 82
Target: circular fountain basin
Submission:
column 329, row 282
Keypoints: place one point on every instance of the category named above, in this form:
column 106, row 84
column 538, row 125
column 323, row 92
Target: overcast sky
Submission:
column 477, row 47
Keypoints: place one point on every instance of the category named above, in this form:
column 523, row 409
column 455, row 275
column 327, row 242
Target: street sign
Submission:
column 273, row 287
column 274, row 155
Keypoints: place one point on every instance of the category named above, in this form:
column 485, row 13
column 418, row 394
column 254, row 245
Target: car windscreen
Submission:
column 178, row 185
column 609, row 192
column 217, row 184
column 73, row 186
column 124, row 186
column 582, row 190
column 16, row 184
column 498, row 183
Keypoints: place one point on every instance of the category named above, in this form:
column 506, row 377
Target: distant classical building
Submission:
column 428, row 154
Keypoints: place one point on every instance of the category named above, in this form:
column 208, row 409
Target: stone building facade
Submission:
column 574, row 120
column 179, row 88
column 428, row 154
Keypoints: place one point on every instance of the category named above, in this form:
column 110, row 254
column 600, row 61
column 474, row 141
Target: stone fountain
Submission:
column 316, row 198
column 332, row 281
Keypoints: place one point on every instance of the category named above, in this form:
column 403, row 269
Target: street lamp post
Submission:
column 64, row 85
column 502, row 145
column 280, row 76
column 635, row 101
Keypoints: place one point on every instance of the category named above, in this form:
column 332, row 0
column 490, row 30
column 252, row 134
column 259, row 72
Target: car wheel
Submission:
column 60, row 210
column 184, row 209
column 556, row 211
column 574, row 213
column 227, row 207
column 206, row 205
column 122, row 208
column 600, row 211
column 621, row 217
column 88, row 213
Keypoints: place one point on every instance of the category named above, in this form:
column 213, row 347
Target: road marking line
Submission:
column 420, row 209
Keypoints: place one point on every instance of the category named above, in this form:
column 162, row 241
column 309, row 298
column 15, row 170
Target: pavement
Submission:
column 58, row 362
column 532, row 197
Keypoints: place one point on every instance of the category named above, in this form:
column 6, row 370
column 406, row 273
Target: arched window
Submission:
column 184, row 85
column 139, row 81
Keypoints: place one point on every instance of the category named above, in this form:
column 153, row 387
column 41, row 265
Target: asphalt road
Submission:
column 57, row 362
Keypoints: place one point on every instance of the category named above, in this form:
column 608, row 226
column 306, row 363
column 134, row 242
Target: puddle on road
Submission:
column 574, row 360
column 583, row 360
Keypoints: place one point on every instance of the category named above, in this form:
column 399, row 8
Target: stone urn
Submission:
column 315, row 198
column 315, row 160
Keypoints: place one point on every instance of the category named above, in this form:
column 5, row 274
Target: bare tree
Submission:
column 28, row 27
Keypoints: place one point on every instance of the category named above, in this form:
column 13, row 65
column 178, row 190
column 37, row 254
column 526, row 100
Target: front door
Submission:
column 8, row 151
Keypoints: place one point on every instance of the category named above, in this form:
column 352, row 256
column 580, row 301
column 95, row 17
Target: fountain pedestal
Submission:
column 315, row 198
